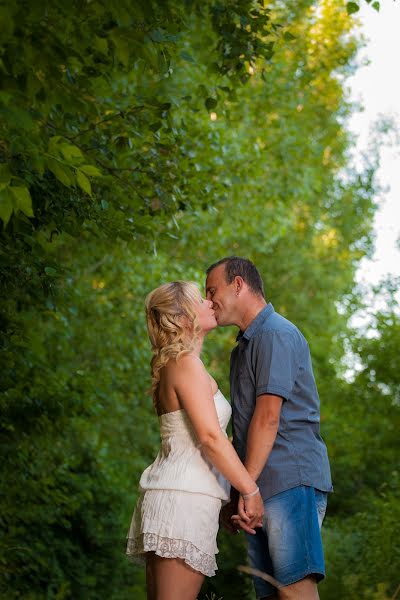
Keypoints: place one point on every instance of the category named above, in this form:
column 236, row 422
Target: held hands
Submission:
column 250, row 512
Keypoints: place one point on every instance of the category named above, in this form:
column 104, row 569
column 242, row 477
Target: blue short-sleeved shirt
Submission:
column 273, row 357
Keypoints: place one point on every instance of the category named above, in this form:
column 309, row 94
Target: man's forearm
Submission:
column 260, row 440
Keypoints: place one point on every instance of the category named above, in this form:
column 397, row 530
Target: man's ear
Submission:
column 238, row 284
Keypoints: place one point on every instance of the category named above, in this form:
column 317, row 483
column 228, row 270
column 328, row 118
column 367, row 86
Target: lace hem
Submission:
column 170, row 548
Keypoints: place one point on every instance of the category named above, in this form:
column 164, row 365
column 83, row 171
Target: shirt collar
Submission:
column 256, row 323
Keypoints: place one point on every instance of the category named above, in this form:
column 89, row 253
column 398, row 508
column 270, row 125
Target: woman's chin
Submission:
column 211, row 327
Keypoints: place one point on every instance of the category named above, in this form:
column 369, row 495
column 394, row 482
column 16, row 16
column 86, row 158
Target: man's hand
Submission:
column 249, row 514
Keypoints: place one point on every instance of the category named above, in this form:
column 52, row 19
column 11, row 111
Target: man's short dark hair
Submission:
column 244, row 268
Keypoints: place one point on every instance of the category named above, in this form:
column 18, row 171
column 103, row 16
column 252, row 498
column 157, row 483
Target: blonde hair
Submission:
column 172, row 324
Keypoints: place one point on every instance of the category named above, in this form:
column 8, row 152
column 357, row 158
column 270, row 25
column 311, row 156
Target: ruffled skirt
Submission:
column 176, row 524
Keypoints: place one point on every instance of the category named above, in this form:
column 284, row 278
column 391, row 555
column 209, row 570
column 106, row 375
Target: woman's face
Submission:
column 206, row 316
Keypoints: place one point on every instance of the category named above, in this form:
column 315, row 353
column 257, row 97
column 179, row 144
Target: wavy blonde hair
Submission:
column 172, row 324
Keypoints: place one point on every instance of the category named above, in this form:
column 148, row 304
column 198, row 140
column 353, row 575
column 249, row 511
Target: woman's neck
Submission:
column 198, row 345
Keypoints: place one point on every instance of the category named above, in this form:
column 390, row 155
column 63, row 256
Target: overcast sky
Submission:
column 377, row 86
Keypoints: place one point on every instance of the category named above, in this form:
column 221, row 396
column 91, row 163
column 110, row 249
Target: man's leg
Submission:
column 258, row 555
column 305, row 589
column 292, row 524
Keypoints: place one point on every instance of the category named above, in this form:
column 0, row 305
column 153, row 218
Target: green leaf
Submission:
column 157, row 35
column 54, row 144
column 155, row 126
column 6, row 206
column 376, row 6
column 186, row 56
column 91, row 170
column 83, row 182
column 21, row 119
column 60, row 172
column 70, row 152
column 288, row 36
column 352, row 7
column 50, row 271
column 6, row 22
column 74, row 65
column 23, row 200
column 202, row 90
column 211, row 103
column 121, row 48
column 5, row 97
column 100, row 44
column 5, row 176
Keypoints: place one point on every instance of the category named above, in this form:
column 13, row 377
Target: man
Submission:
column 275, row 412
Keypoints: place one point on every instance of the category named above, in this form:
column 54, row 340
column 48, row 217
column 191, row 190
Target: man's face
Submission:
column 222, row 295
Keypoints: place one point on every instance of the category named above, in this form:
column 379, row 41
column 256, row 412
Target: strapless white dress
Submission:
column 177, row 513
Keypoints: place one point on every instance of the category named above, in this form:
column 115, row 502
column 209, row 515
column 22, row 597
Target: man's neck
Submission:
column 250, row 312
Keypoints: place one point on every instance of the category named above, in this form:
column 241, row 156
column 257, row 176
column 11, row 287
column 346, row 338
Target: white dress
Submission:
column 177, row 513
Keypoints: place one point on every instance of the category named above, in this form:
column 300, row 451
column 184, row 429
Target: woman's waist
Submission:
column 175, row 456
column 181, row 428
column 175, row 438
column 199, row 481
column 187, row 470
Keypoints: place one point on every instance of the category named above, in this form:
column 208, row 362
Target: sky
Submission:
column 377, row 87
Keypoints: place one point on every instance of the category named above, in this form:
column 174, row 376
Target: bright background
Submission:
column 376, row 86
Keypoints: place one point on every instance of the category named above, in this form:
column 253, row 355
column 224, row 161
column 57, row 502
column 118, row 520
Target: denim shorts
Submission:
column 288, row 546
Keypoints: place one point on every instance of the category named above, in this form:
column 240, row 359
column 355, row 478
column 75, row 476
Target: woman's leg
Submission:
column 171, row 578
column 149, row 578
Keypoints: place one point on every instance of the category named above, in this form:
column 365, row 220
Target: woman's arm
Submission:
column 193, row 388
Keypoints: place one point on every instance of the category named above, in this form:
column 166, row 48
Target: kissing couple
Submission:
column 272, row 482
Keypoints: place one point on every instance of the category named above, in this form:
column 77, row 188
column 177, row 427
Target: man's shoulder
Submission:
column 277, row 325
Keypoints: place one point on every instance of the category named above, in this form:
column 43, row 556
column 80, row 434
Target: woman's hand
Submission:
column 254, row 508
column 250, row 513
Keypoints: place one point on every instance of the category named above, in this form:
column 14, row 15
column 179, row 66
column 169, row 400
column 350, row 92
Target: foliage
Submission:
column 363, row 560
column 92, row 153
column 354, row 7
column 91, row 143
column 361, row 536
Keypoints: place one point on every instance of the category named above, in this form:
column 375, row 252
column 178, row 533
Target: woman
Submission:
column 175, row 522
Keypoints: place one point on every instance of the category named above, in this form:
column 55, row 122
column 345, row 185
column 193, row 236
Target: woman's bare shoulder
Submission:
column 185, row 367
column 188, row 363
column 191, row 368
